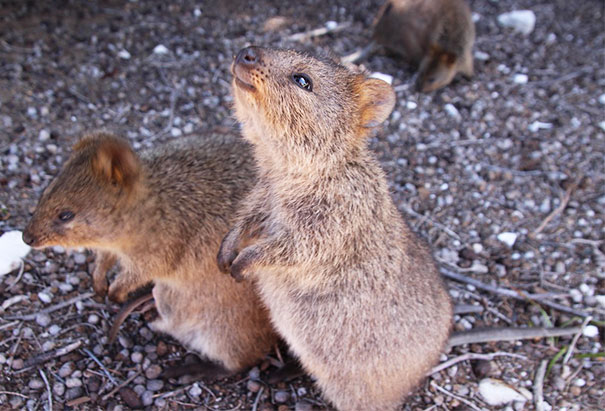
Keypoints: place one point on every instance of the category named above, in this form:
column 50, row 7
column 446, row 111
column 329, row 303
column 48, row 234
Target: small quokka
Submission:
column 355, row 294
column 435, row 35
column 162, row 216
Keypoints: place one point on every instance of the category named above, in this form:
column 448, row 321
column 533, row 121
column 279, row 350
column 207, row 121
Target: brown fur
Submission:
column 435, row 35
column 352, row 290
column 162, row 216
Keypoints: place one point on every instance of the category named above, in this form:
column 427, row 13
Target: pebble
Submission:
column 73, row 382
column 508, row 238
column 176, row 132
column 254, row 373
column 93, row 384
column 590, row 331
column 125, row 341
column 44, row 297
column 411, row 105
column 48, row 345
column 539, row 125
column 136, row 357
column 79, row 258
column 58, row 389
column 602, row 125
column 147, row 398
column 303, row 406
column 93, row 319
column 17, row 364
column 73, row 393
column 452, row 111
column 195, row 391
column 520, row 78
column 253, row 386
column 43, row 319
column 153, row 372
column 575, row 295
column 54, row 329
column 160, row 403
column 161, row 349
column 66, row 369
column 496, row 392
column 2, row 358
column 281, row 396
column 124, row 54
column 139, row 389
column 602, row 99
column 600, row 300
column 155, row 385
column 35, row 384
column 160, row 49
column 522, row 21
column 130, row 398
column 482, row 56
column 44, row 135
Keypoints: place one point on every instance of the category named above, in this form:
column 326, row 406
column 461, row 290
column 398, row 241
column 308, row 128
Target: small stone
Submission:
column 579, row 382
column 73, row 393
column 281, row 396
column 73, row 382
column 35, row 384
column 590, row 331
column 520, row 78
column 195, row 391
column 303, row 406
column 125, row 341
column 130, row 398
column 44, row 297
column 160, row 403
column 58, row 389
column 160, row 49
column 17, row 364
column 331, row 25
column 522, row 21
column 44, row 135
column 139, row 389
column 43, row 319
column 161, row 349
column 147, row 398
column 155, row 385
column 452, row 111
column 79, row 258
column 254, row 373
column 481, row 368
column 600, row 300
column 539, row 125
column 480, row 55
column 576, row 295
column 411, row 105
column 301, row 391
column 602, row 125
column 136, row 357
column 153, row 372
column 66, row 369
column 93, row 319
column 54, row 329
column 253, row 386
column 124, row 54
column 93, row 384
column 496, row 392
column 508, row 238
column 575, row 390
column 176, row 132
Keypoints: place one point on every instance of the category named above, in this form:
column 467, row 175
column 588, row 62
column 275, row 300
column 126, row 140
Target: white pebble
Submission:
column 44, row 135
column 601, row 300
column 452, row 111
column 411, row 105
column 331, row 25
column 481, row 56
column 124, row 54
column 13, row 250
column 54, row 329
column 590, row 331
column 175, row 132
column 520, row 78
column 44, row 297
column 508, row 238
column 160, row 49
column 579, row 382
column 43, row 319
column 602, row 125
column 93, row 318
column 575, row 295
column 477, row 248
column 195, row 390
column 602, row 99
column 496, row 392
column 197, row 12
column 522, row 21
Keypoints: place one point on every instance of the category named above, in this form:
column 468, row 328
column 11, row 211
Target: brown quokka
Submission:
column 351, row 289
column 162, row 215
column 435, row 35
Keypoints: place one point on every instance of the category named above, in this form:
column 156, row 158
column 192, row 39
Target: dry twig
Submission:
column 32, row 316
column 49, row 355
column 539, row 386
column 122, row 385
column 575, row 340
column 260, row 392
column 559, row 208
column 318, row 32
column 476, row 336
column 472, row 356
column 50, row 395
column 449, row 394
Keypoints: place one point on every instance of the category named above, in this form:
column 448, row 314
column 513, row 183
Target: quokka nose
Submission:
column 248, row 56
column 28, row 238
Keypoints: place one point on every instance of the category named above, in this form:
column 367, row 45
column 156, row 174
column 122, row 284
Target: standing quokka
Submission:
column 162, row 215
column 436, row 35
column 351, row 289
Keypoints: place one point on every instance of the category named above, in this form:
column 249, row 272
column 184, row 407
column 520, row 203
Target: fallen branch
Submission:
column 360, row 54
column 539, row 298
column 49, row 355
column 100, row 364
column 32, row 316
column 78, row 401
column 572, row 346
column 319, row 31
column 459, row 398
column 50, row 395
column 483, row 335
column 467, row 309
column 472, row 356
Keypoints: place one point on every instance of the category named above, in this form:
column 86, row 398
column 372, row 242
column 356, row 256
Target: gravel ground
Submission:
column 468, row 164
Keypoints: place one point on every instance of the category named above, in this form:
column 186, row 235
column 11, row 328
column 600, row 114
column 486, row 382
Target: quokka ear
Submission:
column 115, row 162
column 377, row 102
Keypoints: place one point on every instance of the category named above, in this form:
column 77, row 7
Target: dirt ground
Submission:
column 466, row 164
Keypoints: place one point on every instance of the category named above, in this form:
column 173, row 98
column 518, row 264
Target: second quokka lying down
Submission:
column 162, row 215
column 351, row 289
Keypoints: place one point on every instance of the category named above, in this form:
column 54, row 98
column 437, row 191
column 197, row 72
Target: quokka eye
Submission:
column 303, row 81
column 65, row 216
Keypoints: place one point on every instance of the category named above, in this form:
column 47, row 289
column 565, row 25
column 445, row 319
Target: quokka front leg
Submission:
column 104, row 262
